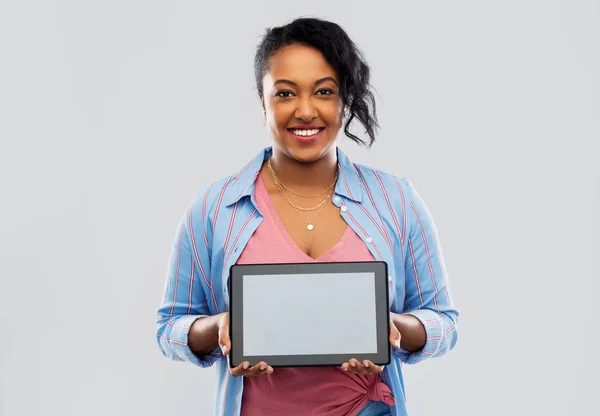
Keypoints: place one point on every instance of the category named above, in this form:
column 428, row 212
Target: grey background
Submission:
column 303, row 314
column 113, row 113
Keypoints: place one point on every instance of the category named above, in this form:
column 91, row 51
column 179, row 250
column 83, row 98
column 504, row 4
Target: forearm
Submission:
column 412, row 331
column 203, row 337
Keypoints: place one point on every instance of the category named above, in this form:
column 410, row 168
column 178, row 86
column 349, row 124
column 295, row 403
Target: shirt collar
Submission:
column 242, row 182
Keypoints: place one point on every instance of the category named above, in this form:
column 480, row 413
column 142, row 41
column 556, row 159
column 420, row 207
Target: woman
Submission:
column 302, row 200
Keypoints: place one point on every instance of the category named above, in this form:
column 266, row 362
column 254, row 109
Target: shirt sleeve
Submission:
column 184, row 299
column 428, row 295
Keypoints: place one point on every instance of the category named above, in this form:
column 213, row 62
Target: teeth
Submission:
column 306, row 132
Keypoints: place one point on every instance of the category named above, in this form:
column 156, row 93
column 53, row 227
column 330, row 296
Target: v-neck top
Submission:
column 302, row 391
column 273, row 234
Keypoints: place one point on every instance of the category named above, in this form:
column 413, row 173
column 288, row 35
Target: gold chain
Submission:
column 276, row 179
column 309, row 225
column 319, row 205
column 298, row 209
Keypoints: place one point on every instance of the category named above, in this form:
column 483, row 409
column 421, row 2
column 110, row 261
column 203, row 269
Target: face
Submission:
column 302, row 104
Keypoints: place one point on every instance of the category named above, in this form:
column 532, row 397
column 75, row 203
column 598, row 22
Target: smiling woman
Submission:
column 303, row 200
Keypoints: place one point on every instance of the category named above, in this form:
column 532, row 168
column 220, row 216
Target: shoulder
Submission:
column 217, row 197
column 398, row 189
column 207, row 199
column 395, row 197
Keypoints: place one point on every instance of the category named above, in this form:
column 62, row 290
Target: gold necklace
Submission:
column 296, row 206
column 309, row 224
column 277, row 181
column 280, row 186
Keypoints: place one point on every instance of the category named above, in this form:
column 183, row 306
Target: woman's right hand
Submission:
column 244, row 368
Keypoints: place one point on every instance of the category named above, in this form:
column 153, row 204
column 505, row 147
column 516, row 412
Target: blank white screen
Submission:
column 303, row 314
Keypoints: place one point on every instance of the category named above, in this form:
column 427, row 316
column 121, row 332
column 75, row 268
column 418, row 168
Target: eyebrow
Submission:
column 317, row 82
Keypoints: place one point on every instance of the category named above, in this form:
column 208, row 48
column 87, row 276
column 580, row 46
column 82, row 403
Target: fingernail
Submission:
column 224, row 349
column 352, row 363
column 262, row 367
column 397, row 343
column 366, row 363
column 344, row 368
column 245, row 366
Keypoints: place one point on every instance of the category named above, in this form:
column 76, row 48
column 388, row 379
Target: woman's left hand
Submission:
column 367, row 367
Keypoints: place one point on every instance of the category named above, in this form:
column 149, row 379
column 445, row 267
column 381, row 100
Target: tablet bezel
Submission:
column 382, row 314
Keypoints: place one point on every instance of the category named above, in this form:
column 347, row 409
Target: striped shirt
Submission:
column 384, row 210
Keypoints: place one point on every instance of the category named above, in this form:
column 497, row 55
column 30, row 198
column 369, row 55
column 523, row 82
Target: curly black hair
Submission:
column 343, row 56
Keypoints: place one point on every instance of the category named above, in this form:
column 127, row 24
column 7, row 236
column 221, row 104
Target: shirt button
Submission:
column 344, row 208
column 337, row 198
column 369, row 240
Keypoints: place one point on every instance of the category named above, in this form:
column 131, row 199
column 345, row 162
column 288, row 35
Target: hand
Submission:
column 367, row 367
column 244, row 368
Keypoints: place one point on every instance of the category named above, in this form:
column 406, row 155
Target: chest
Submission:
column 271, row 230
column 328, row 226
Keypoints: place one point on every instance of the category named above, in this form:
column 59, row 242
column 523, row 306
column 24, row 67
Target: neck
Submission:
column 305, row 176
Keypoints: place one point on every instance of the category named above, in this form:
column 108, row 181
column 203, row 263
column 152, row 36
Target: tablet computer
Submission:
column 309, row 314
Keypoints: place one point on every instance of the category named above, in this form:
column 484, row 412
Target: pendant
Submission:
column 310, row 227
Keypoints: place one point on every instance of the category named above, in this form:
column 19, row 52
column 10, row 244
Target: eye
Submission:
column 281, row 94
column 325, row 92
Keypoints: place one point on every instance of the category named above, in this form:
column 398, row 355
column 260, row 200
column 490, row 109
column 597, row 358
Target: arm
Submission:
column 186, row 331
column 412, row 330
column 184, row 299
column 429, row 318
column 204, row 335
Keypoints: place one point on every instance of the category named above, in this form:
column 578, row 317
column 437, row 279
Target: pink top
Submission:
column 305, row 390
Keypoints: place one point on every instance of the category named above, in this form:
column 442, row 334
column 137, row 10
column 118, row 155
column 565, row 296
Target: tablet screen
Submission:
column 306, row 314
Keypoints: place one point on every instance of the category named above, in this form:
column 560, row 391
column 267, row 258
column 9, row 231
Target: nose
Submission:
column 306, row 110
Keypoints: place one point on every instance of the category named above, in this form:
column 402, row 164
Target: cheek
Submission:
column 333, row 114
column 281, row 115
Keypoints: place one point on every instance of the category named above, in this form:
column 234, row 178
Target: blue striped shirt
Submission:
column 384, row 210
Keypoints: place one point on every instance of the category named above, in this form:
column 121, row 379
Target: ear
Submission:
column 262, row 104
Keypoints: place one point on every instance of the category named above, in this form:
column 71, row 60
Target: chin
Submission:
column 308, row 154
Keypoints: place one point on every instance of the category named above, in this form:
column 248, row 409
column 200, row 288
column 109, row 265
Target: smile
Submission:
column 306, row 132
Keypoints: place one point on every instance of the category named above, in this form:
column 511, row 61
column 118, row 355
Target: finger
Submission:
column 395, row 336
column 372, row 368
column 224, row 341
column 240, row 370
column 357, row 367
column 346, row 367
column 257, row 369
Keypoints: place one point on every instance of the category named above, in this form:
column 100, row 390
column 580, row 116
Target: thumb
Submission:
column 224, row 341
column 395, row 336
column 225, row 345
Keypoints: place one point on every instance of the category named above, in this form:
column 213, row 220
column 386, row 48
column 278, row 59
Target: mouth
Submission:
column 306, row 135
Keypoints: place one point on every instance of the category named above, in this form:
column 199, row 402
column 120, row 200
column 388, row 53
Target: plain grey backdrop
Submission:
column 113, row 113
